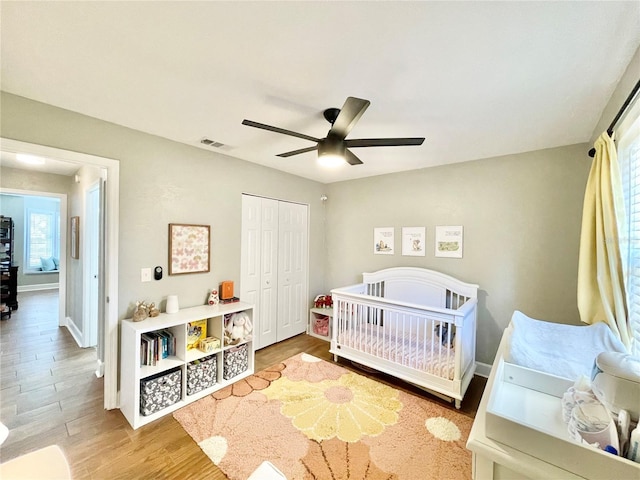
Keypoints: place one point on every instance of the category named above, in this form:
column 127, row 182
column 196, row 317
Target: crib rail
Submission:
column 437, row 341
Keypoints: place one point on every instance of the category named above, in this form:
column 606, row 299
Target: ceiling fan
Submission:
column 335, row 144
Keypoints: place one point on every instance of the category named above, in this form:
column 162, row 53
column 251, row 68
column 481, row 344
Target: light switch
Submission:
column 145, row 275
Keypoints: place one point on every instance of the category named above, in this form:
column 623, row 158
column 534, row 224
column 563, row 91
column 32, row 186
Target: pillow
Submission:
column 56, row 262
column 47, row 264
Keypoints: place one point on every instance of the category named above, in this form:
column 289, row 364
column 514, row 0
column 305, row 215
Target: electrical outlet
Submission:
column 145, row 275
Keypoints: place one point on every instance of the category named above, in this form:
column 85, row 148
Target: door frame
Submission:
column 112, row 208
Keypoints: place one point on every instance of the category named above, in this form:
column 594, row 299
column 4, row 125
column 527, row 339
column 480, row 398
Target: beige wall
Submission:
column 34, row 181
column 521, row 216
column 164, row 182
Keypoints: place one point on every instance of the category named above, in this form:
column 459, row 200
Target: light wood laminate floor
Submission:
column 49, row 394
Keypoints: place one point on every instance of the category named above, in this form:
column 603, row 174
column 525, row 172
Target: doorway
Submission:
column 108, row 304
column 19, row 204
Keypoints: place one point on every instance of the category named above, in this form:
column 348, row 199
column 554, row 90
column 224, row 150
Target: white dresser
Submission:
column 518, row 432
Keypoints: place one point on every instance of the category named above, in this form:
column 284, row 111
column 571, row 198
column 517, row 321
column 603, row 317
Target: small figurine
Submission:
column 153, row 310
column 213, row 298
column 142, row 312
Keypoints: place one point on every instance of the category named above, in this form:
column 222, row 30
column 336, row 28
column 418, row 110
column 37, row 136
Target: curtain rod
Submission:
column 624, row 106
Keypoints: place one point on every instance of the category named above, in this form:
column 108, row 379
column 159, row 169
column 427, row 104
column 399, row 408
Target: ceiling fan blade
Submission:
column 297, row 152
column 279, row 130
column 383, row 142
column 349, row 114
column 351, row 159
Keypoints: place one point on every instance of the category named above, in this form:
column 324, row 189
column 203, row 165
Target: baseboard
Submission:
column 100, row 369
column 73, row 330
column 38, row 287
column 483, row 369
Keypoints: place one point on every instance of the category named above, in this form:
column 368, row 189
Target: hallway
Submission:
column 47, row 383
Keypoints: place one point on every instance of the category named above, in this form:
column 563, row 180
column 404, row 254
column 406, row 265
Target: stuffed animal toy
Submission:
column 443, row 333
column 213, row 298
column 239, row 328
column 323, row 301
column 328, row 301
column 142, row 312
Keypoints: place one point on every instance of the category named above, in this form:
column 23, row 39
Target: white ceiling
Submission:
column 49, row 165
column 477, row 79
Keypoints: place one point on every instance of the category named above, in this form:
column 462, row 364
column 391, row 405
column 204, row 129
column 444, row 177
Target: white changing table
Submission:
column 518, row 432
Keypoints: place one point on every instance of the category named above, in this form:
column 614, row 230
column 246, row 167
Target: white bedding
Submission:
column 410, row 351
column 563, row 350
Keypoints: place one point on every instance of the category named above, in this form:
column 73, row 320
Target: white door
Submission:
column 292, row 270
column 91, row 266
column 102, row 269
column 274, row 267
column 250, row 256
column 258, row 282
column 269, row 273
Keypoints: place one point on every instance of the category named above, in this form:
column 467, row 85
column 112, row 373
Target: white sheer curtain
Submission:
column 601, row 286
column 629, row 159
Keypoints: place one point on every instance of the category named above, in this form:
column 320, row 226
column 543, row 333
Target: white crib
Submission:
column 413, row 323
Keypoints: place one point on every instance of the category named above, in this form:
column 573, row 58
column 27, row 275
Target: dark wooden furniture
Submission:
column 8, row 271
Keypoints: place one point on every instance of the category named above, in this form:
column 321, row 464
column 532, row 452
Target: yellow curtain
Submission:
column 601, row 291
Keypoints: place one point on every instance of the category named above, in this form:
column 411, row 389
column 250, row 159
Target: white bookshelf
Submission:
column 132, row 372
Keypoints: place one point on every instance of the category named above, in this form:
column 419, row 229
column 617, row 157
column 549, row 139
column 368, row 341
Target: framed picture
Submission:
column 383, row 239
column 449, row 241
column 189, row 247
column 75, row 237
column 413, row 241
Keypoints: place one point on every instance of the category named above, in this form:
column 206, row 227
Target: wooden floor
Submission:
column 50, row 395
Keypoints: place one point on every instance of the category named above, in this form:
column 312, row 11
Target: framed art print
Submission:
column 413, row 241
column 189, row 247
column 449, row 241
column 75, row 237
column 383, row 239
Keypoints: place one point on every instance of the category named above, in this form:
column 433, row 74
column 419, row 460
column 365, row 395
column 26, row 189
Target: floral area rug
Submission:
column 317, row 420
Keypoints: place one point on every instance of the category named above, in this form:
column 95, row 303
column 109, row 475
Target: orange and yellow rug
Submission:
column 317, row 420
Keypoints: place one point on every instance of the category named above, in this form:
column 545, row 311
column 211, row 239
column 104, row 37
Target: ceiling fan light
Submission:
column 331, row 160
column 331, row 152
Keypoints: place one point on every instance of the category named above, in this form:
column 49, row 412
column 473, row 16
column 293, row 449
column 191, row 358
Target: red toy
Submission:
column 323, row 301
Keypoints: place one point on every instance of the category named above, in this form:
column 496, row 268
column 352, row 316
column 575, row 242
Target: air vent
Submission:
column 211, row 143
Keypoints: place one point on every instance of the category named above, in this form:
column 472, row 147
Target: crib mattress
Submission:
column 408, row 350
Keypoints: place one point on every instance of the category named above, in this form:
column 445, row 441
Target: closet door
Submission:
column 269, row 273
column 292, row 269
column 258, row 267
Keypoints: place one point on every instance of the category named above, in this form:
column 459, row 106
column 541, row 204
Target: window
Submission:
column 629, row 160
column 42, row 231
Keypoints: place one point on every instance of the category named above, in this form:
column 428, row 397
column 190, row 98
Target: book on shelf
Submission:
column 229, row 300
column 196, row 331
column 156, row 345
